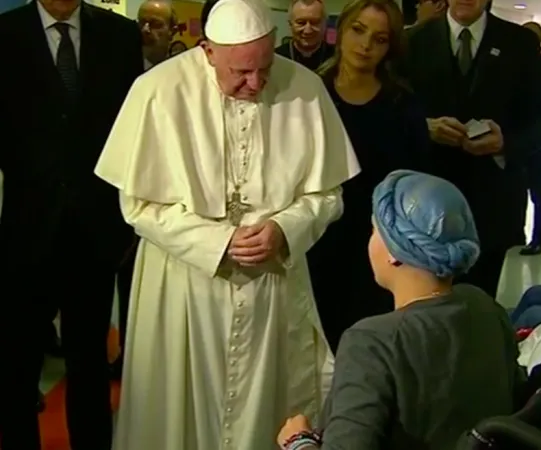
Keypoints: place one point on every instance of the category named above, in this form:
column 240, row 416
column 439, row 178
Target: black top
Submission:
column 312, row 62
column 387, row 133
column 503, row 86
column 419, row 377
column 50, row 183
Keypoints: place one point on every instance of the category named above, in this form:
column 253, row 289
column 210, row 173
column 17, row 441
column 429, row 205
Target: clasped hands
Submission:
column 450, row 131
column 256, row 244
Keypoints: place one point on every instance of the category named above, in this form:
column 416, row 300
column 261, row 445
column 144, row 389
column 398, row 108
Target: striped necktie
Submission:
column 66, row 61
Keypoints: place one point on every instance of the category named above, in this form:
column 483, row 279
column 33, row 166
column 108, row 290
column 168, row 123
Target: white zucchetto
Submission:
column 234, row 22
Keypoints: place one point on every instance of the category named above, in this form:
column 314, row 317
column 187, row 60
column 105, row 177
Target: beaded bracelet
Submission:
column 302, row 440
column 303, row 444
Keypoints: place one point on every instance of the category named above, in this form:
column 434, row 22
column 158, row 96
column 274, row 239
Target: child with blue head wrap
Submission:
column 422, row 375
column 424, row 222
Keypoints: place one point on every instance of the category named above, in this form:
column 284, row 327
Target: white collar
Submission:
column 477, row 28
column 49, row 21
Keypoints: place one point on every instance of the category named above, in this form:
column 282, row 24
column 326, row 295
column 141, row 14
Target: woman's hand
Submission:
column 293, row 426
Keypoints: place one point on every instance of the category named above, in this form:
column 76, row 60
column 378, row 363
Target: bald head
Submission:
column 158, row 24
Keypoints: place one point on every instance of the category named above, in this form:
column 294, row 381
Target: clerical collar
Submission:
column 312, row 61
column 477, row 28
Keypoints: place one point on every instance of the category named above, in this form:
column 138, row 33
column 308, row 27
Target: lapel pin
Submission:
column 495, row 52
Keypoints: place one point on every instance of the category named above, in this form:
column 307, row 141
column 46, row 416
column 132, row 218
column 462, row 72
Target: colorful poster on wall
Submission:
column 331, row 29
column 188, row 14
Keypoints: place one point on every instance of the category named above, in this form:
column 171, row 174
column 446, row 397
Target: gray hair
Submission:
column 306, row 3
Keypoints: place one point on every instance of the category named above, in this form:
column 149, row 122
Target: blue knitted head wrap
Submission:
column 426, row 223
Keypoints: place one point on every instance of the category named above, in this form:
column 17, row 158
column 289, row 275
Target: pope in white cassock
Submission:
column 229, row 162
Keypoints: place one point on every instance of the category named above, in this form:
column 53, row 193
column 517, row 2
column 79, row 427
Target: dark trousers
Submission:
column 527, row 314
column 124, row 280
column 81, row 286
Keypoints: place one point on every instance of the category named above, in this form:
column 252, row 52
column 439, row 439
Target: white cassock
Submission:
column 217, row 357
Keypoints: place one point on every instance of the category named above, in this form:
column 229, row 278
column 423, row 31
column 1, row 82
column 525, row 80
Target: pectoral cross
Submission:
column 236, row 209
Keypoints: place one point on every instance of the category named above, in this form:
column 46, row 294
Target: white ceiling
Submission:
column 533, row 7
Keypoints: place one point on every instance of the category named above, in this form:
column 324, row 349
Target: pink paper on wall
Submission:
column 331, row 36
column 194, row 27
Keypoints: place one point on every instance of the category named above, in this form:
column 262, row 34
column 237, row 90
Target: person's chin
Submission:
column 309, row 43
column 363, row 65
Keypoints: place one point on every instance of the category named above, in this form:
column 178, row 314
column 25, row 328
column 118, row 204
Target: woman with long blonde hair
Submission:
column 388, row 132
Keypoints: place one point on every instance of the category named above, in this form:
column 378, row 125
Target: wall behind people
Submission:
column 6, row 5
column 118, row 6
column 279, row 12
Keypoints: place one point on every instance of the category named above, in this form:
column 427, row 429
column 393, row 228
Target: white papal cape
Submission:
column 213, row 360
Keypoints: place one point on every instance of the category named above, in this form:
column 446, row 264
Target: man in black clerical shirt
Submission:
column 307, row 20
column 62, row 236
column 467, row 65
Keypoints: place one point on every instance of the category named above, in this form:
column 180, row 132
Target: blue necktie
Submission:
column 66, row 61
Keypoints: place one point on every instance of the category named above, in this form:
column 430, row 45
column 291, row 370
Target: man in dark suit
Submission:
column 68, row 68
column 468, row 65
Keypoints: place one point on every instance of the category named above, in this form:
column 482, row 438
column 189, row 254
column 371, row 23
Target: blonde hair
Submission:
column 396, row 44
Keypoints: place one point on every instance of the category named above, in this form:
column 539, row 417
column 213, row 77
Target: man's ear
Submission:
column 441, row 6
column 209, row 51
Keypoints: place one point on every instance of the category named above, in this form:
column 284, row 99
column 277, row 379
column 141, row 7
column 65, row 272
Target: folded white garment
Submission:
column 530, row 350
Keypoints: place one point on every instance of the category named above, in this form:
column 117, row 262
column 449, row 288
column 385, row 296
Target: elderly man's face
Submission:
column 467, row 11
column 155, row 22
column 242, row 70
column 60, row 9
column 307, row 24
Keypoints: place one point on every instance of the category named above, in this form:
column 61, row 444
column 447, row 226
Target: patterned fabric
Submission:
column 66, row 61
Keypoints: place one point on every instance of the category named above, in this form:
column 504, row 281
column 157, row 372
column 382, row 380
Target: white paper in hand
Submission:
column 477, row 128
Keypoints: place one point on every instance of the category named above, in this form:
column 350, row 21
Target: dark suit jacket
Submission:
column 504, row 85
column 51, row 146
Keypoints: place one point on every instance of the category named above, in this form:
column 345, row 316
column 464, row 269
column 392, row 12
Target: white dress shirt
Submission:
column 53, row 36
column 477, row 29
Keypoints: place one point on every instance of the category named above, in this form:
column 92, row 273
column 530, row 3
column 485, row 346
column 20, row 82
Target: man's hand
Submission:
column 295, row 425
column 447, row 131
column 489, row 144
column 256, row 244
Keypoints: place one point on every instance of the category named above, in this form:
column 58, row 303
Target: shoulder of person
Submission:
column 519, row 36
column 282, row 49
column 420, row 32
column 11, row 21
column 184, row 74
column 295, row 77
column 380, row 327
